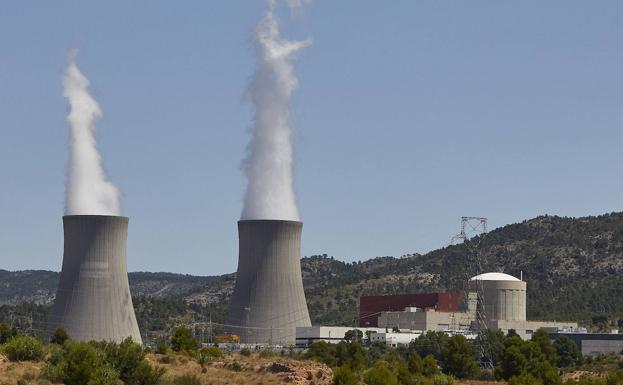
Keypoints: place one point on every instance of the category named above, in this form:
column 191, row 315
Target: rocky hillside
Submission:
column 573, row 267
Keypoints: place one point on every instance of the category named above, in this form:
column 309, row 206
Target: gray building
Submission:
column 93, row 300
column 268, row 302
column 594, row 344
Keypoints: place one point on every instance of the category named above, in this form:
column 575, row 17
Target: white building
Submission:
column 306, row 335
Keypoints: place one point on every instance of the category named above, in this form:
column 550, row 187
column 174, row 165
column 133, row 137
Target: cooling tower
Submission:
column 93, row 300
column 268, row 301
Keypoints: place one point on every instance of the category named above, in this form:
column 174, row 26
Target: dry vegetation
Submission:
column 232, row 369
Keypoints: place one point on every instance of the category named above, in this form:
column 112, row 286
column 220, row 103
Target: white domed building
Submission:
column 501, row 304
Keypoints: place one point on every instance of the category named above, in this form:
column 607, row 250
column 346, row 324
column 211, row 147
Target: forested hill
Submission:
column 573, row 267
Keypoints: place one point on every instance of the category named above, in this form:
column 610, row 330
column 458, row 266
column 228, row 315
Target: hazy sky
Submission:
column 409, row 115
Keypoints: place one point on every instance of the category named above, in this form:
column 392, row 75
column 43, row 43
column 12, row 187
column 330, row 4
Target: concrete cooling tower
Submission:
column 93, row 300
column 268, row 301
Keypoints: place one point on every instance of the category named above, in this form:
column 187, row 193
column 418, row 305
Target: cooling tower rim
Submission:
column 269, row 221
column 96, row 216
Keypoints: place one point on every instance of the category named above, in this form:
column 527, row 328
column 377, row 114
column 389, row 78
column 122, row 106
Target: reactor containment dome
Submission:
column 93, row 300
column 500, row 296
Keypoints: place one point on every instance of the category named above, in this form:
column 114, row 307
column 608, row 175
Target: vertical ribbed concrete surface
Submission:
column 268, row 301
column 503, row 300
column 93, row 300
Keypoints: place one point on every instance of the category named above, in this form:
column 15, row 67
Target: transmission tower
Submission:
column 471, row 226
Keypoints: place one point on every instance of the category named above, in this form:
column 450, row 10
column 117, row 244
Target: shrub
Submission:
column 59, row 337
column 182, row 340
column 380, row 374
column 235, row 366
column 212, row 352
column 6, row 333
column 162, row 348
column 344, row 376
column 443, row 379
column 24, row 348
column 245, row 352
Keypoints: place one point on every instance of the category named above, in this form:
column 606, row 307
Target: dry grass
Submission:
column 11, row 372
column 253, row 370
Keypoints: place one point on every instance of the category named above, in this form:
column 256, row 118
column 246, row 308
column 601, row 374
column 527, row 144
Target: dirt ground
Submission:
column 238, row 369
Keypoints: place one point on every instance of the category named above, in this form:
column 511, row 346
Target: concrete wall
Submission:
column 426, row 320
column 268, row 301
column 501, row 300
column 525, row 329
column 93, row 300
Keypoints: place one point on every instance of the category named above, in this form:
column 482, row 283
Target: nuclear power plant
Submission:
column 268, row 303
column 93, row 300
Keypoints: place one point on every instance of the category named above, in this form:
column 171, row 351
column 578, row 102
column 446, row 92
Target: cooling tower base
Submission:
column 268, row 301
column 93, row 300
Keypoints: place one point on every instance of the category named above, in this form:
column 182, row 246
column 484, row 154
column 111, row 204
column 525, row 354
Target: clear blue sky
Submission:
column 409, row 115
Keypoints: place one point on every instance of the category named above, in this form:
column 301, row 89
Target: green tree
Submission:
column 457, row 358
column 344, row 375
column 567, row 352
column 323, row 352
column 513, row 363
column 380, row 374
column 182, row 340
column 354, row 335
column 495, row 339
column 429, row 366
column 416, row 365
column 429, row 343
column 541, row 338
column 59, row 337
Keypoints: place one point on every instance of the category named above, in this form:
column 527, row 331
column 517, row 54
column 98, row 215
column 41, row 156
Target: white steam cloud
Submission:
column 268, row 165
column 88, row 192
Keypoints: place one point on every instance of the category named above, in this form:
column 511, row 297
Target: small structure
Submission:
column 394, row 339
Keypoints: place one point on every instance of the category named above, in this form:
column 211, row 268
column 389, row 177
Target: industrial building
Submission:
column 93, row 300
column 494, row 301
column 307, row 335
column 413, row 318
column 370, row 307
column 268, row 302
column 593, row 344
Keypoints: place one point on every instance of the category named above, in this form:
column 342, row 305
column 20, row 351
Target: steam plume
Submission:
column 268, row 165
column 88, row 192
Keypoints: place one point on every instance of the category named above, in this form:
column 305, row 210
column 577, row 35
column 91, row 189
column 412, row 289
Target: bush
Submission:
column 6, row 333
column 245, row 352
column 344, row 376
column 380, row 374
column 24, row 348
column 59, row 337
column 162, row 348
column 442, row 379
column 182, row 340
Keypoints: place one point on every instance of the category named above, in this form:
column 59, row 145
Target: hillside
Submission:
column 573, row 268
